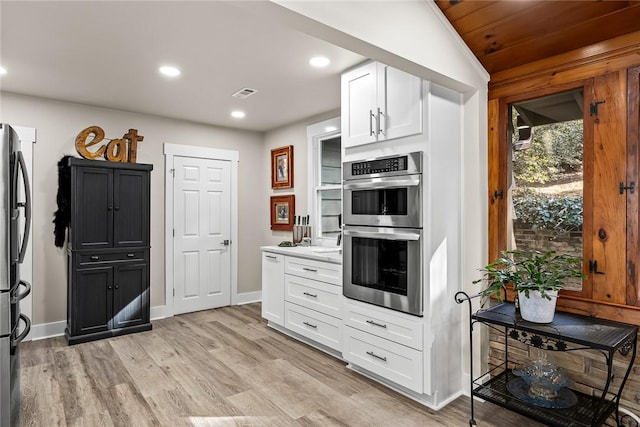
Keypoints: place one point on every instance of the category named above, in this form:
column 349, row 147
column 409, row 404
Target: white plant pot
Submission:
column 537, row 309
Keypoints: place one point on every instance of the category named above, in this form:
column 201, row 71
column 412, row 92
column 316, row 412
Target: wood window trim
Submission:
column 576, row 71
column 600, row 58
column 633, row 209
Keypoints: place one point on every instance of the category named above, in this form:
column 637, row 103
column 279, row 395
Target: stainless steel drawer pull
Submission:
column 310, row 325
column 372, row 354
column 270, row 256
column 131, row 255
column 310, row 269
column 310, row 295
column 380, row 325
column 94, row 257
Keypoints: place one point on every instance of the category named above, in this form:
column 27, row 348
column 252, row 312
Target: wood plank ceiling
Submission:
column 505, row 34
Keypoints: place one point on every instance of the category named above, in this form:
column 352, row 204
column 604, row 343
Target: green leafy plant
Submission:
column 548, row 212
column 529, row 271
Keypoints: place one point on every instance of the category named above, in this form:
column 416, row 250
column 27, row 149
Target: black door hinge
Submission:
column 593, row 267
column 631, row 187
column 498, row 194
column 593, row 107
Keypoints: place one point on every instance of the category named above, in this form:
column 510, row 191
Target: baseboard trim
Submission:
column 56, row 329
column 47, row 330
column 158, row 312
column 248, row 297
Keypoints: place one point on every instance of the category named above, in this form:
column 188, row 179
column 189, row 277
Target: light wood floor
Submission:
column 221, row 367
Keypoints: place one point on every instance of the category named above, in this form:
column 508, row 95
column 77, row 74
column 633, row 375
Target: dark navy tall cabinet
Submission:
column 108, row 250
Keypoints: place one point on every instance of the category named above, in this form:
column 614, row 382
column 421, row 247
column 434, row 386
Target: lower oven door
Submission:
column 383, row 266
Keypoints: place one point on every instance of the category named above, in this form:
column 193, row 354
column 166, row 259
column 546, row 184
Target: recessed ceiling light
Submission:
column 169, row 71
column 3, row 71
column 319, row 61
column 238, row 114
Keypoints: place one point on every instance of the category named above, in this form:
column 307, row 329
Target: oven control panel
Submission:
column 401, row 164
column 369, row 167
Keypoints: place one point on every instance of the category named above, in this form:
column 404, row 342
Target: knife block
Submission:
column 300, row 232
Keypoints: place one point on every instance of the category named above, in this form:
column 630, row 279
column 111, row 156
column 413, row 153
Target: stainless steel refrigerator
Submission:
column 14, row 326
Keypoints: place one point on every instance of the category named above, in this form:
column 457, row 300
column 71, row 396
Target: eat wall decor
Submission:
column 116, row 150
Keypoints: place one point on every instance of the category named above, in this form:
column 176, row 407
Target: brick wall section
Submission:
column 586, row 368
column 569, row 242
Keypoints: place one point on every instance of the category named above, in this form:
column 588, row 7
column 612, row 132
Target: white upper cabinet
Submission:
column 379, row 103
column 359, row 105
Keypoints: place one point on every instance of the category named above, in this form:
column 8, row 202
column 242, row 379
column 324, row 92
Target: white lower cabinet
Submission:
column 314, row 270
column 305, row 297
column 392, row 361
column 385, row 324
column 384, row 342
column 319, row 296
column 314, row 325
column 273, row 287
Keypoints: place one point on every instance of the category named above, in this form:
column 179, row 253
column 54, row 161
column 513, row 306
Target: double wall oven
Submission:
column 382, row 247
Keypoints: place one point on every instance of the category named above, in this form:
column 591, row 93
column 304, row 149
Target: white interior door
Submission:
column 202, row 234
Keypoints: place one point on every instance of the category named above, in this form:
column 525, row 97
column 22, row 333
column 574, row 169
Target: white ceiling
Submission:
column 108, row 53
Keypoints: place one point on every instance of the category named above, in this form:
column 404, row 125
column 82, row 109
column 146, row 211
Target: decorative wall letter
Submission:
column 114, row 151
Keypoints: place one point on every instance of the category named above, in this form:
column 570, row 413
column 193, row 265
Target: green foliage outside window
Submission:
column 548, row 212
column 555, row 152
column 554, row 158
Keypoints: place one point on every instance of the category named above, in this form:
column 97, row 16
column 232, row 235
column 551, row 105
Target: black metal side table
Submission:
column 567, row 332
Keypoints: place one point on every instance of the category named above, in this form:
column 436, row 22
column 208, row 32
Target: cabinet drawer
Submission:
column 384, row 323
column 319, row 296
column 93, row 258
column 317, row 326
column 394, row 362
column 315, row 270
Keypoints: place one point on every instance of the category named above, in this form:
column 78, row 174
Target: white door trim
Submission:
column 170, row 151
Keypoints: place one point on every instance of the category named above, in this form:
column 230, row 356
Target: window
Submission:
column 545, row 180
column 563, row 174
column 325, row 196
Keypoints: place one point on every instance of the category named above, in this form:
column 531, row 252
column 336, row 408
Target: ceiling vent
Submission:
column 245, row 92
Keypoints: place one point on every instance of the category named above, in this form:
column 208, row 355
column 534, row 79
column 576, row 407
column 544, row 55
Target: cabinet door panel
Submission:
column 402, row 102
column 358, row 106
column 131, row 295
column 273, row 287
column 92, row 306
column 131, row 208
column 92, row 220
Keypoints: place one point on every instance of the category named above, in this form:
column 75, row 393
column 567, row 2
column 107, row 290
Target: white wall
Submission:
column 294, row 134
column 58, row 124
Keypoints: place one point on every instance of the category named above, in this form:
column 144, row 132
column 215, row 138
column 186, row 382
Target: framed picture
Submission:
column 282, row 167
column 282, row 211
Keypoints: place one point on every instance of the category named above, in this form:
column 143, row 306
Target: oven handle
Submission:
column 381, row 183
column 386, row 236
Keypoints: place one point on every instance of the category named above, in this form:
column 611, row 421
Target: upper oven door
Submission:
column 394, row 201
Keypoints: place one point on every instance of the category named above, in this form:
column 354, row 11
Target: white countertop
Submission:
column 317, row 253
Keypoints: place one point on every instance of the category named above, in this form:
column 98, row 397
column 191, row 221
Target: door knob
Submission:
column 225, row 242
